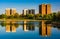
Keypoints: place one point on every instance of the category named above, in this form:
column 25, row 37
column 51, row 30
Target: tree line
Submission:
column 52, row 16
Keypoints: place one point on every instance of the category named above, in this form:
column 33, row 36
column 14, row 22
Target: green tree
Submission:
column 10, row 17
column 3, row 16
column 47, row 16
column 30, row 16
column 58, row 16
column 54, row 16
column 38, row 16
column 16, row 15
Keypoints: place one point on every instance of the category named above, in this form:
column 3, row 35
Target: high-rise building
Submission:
column 31, row 11
column 25, row 11
column 9, row 11
column 13, row 11
column 48, row 9
column 28, row 11
column 44, row 9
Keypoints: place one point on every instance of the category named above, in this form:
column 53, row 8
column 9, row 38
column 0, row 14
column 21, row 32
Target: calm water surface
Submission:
column 29, row 30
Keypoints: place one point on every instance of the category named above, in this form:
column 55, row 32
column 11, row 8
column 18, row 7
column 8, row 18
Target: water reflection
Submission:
column 43, row 28
column 28, row 27
column 10, row 28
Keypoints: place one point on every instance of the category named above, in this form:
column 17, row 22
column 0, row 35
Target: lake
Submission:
column 29, row 30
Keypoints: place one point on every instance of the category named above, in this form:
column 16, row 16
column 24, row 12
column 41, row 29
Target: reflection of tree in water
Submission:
column 3, row 24
column 56, row 26
column 53, row 24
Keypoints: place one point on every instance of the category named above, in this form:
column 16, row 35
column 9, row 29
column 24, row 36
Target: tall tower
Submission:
column 7, row 11
column 13, row 11
column 48, row 9
column 44, row 9
column 28, row 11
column 25, row 11
column 31, row 11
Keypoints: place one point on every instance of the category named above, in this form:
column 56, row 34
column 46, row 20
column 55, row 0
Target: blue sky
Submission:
column 28, row 4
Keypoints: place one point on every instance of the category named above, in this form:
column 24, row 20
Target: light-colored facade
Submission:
column 28, row 11
column 9, row 11
column 25, row 11
column 13, row 11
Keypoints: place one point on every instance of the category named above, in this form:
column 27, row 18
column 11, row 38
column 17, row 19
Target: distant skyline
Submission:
column 28, row 4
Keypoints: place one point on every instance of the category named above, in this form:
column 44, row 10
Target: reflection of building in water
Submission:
column 44, row 29
column 28, row 27
column 48, row 30
column 10, row 26
column 24, row 26
column 13, row 28
column 10, row 21
column 7, row 28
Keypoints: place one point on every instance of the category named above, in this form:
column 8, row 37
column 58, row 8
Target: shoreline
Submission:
column 20, row 20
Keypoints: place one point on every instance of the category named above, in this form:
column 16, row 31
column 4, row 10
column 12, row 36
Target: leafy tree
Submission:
column 47, row 16
column 2, row 24
column 30, row 16
column 10, row 17
column 54, row 16
column 58, row 16
column 16, row 15
column 38, row 16
column 3, row 16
